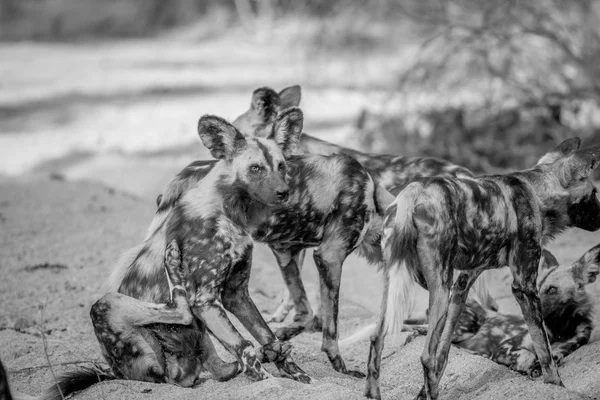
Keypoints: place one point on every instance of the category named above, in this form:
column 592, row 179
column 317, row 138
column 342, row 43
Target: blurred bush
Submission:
column 517, row 76
column 482, row 140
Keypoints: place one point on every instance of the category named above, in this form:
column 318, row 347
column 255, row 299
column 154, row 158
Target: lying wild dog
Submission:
column 392, row 172
column 332, row 207
column 146, row 341
column 437, row 225
column 566, row 310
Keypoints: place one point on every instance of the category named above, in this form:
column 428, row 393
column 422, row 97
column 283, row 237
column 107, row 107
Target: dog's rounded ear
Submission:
column 578, row 165
column 587, row 268
column 564, row 149
column 290, row 97
column 265, row 103
column 548, row 260
column 287, row 130
column 221, row 138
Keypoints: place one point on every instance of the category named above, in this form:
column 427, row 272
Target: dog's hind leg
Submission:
column 439, row 281
column 329, row 258
column 458, row 298
column 288, row 301
column 372, row 390
column 524, row 268
column 237, row 300
column 290, row 269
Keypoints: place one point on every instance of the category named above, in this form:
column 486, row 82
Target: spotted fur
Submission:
column 439, row 225
column 393, row 173
column 332, row 206
column 145, row 328
column 566, row 308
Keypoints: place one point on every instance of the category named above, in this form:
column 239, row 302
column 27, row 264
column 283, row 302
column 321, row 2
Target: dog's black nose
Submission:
column 282, row 194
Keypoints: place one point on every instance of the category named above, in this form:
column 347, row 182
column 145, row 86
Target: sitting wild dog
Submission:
column 326, row 202
column 392, row 172
column 566, row 310
column 209, row 221
column 439, row 225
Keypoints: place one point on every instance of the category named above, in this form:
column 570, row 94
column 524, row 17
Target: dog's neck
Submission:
column 553, row 204
column 239, row 206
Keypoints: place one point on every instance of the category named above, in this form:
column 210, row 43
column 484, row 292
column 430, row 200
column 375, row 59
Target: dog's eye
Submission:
column 551, row 290
column 281, row 167
column 580, row 285
column 255, row 168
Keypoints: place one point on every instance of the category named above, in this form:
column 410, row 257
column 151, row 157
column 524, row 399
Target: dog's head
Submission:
column 570, row 194
column 257, row 166
column 265, row 105
column 562, row 286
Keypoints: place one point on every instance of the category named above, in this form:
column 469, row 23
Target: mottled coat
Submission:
column 393, row 173
column 439, row 225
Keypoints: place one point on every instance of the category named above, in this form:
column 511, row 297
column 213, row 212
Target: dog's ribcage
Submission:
column 476, row 220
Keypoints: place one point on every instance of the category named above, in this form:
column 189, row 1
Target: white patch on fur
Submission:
column 202, row 200
column 400, row 299
column 325, row 187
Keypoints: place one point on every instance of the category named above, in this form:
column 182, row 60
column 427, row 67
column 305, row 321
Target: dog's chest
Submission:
column 210, row 248
column 302, row 225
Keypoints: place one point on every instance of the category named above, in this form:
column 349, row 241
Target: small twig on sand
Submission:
column 55, row 266
column 28, row 369
column 45, row 343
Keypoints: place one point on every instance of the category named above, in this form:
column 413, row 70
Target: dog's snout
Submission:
column 282, row 195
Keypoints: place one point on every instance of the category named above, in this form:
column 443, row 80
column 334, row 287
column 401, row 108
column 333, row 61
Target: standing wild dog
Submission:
column 392, row 172
column 332, row 205
column 437, row 225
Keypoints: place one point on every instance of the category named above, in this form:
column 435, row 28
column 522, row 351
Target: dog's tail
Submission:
column 399, row 245
column 71, row 382
column 401, row 259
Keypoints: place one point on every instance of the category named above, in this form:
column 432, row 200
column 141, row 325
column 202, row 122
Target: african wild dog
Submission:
column 566, row 309
column 333, row 207
column 437, row 225
column 392, row 172
column 208, row 223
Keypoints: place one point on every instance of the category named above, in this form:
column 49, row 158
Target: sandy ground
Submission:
column 78, row 228
column 84, row 155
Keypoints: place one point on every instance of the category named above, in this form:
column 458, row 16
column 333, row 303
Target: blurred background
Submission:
column 112, row 89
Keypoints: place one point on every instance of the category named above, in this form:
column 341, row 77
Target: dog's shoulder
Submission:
column 184, row 180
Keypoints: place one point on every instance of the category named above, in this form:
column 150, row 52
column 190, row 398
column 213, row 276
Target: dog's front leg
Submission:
column 237, row 300
column 289, row 263
column 329, row 264
column 288, row 301
column 524, row 269
column 212, row 313
column 581, row 338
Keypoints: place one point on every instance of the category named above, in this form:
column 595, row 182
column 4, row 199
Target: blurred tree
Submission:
column 541, row 51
